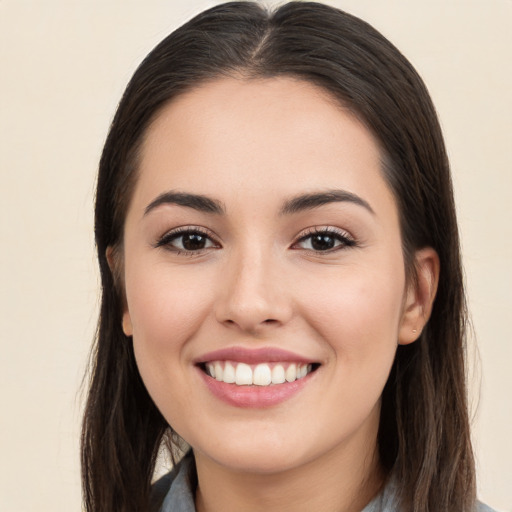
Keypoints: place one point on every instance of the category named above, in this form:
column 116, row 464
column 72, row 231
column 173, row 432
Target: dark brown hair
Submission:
column 424, row 434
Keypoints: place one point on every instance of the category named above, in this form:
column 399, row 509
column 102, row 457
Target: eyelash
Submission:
column 166, row 240
column 345, row 240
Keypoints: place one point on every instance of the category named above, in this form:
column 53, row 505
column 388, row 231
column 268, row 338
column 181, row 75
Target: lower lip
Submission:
column 254, row 396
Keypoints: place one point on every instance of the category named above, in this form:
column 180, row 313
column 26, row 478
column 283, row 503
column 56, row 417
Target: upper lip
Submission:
column 252, row 356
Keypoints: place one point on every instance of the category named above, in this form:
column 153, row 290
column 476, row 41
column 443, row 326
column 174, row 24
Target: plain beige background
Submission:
column 63, row 67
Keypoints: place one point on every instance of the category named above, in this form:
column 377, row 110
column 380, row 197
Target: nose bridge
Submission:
column 255, row 293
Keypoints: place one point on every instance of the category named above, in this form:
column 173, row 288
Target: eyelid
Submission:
column 164, row 240
column 344, row 236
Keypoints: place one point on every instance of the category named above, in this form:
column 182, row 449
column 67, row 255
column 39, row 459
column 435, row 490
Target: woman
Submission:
column 281, row 275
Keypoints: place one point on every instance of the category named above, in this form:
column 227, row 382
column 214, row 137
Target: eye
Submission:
column 187, row 240
column 324, row 240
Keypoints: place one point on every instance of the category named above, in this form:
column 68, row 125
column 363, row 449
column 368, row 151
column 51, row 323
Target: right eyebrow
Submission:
column 195, row 201
column 314, row 200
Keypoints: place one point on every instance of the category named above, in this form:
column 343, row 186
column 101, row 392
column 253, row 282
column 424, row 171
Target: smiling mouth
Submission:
column 261, row 374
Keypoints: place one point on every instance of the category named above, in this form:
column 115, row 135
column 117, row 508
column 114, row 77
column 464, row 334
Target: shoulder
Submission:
column 175, row 490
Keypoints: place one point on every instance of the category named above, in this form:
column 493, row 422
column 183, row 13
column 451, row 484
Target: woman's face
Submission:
column 262, row 245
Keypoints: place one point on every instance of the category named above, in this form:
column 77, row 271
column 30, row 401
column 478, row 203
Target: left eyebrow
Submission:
column 309, row 201
column 195, row 201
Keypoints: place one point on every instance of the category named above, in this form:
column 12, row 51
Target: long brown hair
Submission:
column 424, row 434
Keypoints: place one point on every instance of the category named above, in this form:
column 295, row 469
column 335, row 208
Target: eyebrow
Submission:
column 296, row 204
column 195, row 201
column 309, row 201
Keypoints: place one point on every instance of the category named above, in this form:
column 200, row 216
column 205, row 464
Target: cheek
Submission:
column 166, row 313
column 166, row 310
column 357, row 312
column 356, row 316
column 163, row 305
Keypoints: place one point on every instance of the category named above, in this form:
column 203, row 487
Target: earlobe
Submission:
column 420, row 295
column 114, row 263
column 127, row 324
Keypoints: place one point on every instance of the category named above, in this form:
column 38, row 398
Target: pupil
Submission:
column 322, row 242
column 193, row 242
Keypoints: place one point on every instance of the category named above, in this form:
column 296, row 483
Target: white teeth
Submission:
column 243, row 374
column 262, row 375
column 229, row 373
column 291, row 373
column 278, row 375
column 218, row 371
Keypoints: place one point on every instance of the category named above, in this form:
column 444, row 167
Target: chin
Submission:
column 258, row 461
column 258, row 454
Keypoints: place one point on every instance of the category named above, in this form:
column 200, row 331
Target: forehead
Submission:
column 275, row 136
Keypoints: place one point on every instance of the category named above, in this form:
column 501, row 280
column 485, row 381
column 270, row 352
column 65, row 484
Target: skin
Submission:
column 252, row 145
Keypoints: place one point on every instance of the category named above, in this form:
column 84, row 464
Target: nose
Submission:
column 254, row 295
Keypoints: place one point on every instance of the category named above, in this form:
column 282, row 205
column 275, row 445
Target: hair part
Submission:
column 424, row 428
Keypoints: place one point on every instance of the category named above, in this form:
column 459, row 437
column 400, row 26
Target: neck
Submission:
column 334, row 482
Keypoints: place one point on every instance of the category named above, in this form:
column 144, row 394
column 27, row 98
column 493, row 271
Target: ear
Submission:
column 113, row 262
column 114, row 265
column 127, row 323
column 419, row 299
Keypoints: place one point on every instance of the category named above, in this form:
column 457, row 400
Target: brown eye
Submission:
column 186, row 241
column 325, row 240
column 322, row 242
column 193, row 241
